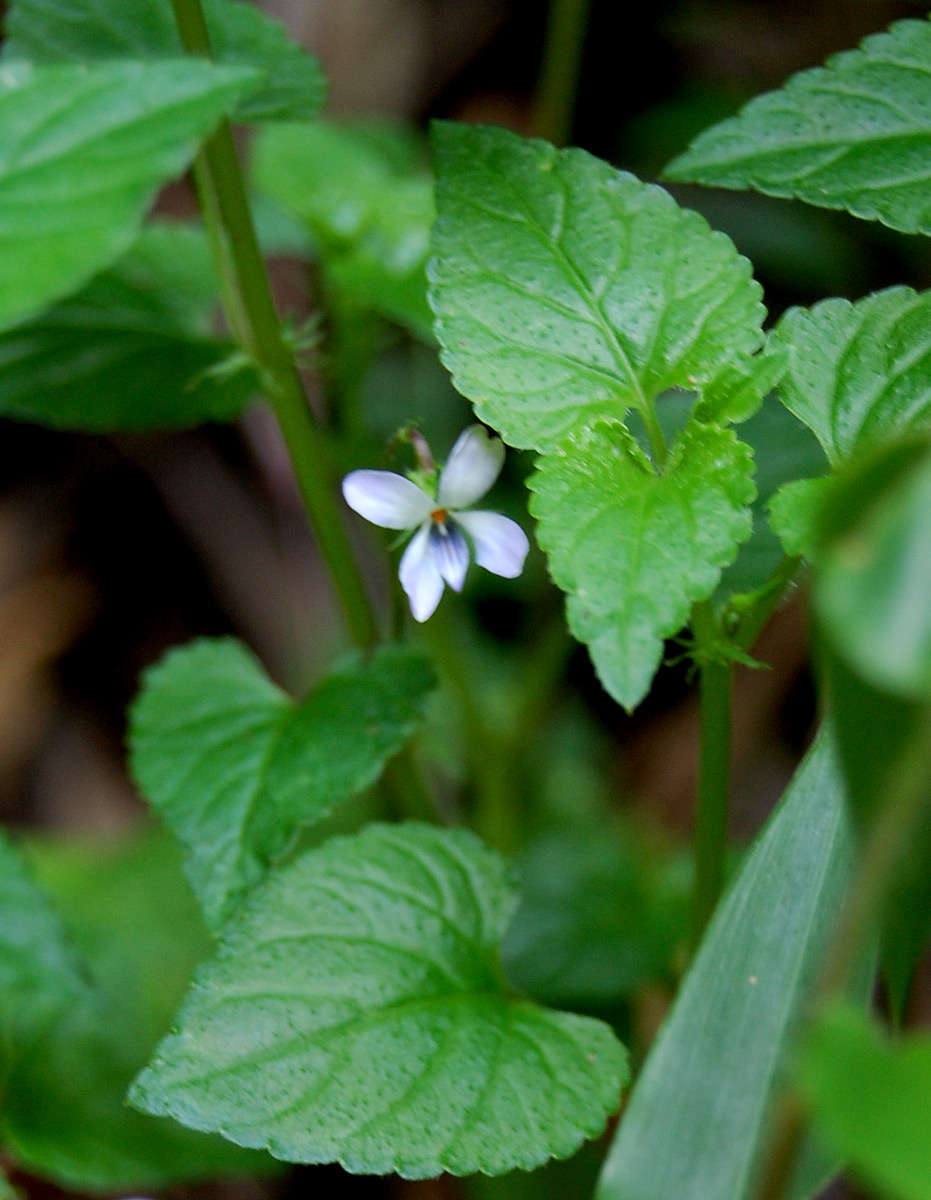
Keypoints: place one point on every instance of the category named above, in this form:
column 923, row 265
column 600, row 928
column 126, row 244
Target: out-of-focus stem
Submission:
column 559, row 71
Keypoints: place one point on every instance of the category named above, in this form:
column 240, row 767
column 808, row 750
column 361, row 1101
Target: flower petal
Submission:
column 419, row 575
column 500, row 544
column 386, row 499
column 473, row 465
column 450, row 552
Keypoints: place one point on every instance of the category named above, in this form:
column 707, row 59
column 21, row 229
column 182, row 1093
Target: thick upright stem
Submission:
column 267, row 343
column 559, row 73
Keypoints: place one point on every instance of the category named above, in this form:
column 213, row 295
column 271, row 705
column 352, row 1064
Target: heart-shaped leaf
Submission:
column 235, row 767
column 355, row 1012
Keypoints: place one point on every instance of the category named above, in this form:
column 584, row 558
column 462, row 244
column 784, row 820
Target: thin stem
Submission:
column 715, row 680
column 559, row 73
column 764, row 602
column 267, row 343
column 906, row 790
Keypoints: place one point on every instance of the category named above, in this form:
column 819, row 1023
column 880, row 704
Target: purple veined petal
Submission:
column 473, row 465
column 386, row 499
column 500, row 544
column 419, row 576
column 450, row 552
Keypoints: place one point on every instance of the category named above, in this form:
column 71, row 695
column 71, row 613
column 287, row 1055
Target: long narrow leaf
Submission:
column 699, row 1110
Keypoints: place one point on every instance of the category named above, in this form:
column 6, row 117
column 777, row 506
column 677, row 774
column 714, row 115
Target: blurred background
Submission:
column 112, row 549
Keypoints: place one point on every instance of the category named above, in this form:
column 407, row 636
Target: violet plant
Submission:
column 362, row 995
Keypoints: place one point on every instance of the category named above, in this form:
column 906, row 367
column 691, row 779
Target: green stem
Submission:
column 559, row 73
column 763, row 603
column 267, row 343
column 906, row 792
column 715, row 680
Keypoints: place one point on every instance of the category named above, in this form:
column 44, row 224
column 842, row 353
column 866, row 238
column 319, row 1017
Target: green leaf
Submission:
column 875, row 735
column 699, row 1111
column 874, row 568
column 853, row 134
column 783, row 450
column 40, row 973
column 795, row 513
column 634, row 550
column 601, row 914
column 84, row 151
column 355, row 1013
column 870, row 1100
column 565, row 291
column 235, row 767
column 64, row 1114
column 292, row 84
column 131, row 350
column 368, row 207
column 858, row 373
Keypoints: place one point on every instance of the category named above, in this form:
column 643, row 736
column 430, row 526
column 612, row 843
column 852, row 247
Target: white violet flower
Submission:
column 438, row 551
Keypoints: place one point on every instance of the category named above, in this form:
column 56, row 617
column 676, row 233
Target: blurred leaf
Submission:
column 874, row 731
column 601, row 913
column 783, row 450
column 64, row 1114
column 699, row 1109
column 131, row 350
column 368, row 204
column 40, row 974
column 795, row 514
column 235, row 767
column 852, row 134
column 870, row 1099
column 633, row 550
column 292, row 88
column 874, row 568
column 858, row 374
column 84, row 151
column 870, row 594
column 355, row 1013
column 565, row 291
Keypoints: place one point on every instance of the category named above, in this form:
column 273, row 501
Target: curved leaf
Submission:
column 131, row 350
column 853, row 134
column 355, row 1013
column 874, row 568
column 635, row 550
column 565, row 290
column 234, row 766
column 64, row 1114
column 84, row 150
column 870, row 1099
column 292, row 87
column 859, row 373
column 40, row 973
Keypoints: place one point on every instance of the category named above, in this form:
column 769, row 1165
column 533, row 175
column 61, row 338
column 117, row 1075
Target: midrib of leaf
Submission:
column 553, row 242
